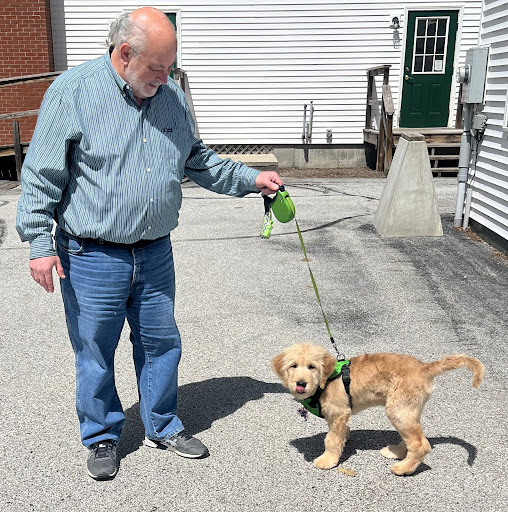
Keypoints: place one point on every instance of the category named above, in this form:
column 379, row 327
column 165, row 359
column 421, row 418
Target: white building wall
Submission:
column 252, row 65
column 489, row 204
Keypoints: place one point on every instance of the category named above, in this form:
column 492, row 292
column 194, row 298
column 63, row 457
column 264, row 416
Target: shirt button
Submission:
column 127, row 87
column 151, row 199
column 148, row 170
column 149, row 227
column 144, row 140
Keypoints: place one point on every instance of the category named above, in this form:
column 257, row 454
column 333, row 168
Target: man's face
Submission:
column 148, row 70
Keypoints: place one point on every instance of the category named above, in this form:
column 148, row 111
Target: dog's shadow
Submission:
column 312, row 447
column 199, row 405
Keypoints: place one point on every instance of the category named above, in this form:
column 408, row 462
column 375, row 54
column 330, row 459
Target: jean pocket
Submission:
column 68, row 243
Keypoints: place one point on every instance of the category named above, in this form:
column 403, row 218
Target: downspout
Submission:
column 464, row 159
column 304, row 130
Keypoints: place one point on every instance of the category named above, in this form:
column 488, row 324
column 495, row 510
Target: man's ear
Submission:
column 328, row 365
column 125, row 52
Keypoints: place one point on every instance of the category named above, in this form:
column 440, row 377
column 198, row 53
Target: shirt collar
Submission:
column 120, row 82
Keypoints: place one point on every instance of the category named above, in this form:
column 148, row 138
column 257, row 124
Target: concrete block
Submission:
column 408, row 205
column 267, row 162
column 320, row 157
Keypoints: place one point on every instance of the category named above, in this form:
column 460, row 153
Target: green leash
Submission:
column 314, row 285
column 284, row 211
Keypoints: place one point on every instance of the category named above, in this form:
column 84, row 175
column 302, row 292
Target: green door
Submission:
column 172, row 18
column 428, row 68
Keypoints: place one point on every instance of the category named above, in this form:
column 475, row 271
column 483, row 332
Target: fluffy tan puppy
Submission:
column 399, row 382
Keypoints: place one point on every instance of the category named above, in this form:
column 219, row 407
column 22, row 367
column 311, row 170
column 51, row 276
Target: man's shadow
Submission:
column 312, row 447
column 199, row 405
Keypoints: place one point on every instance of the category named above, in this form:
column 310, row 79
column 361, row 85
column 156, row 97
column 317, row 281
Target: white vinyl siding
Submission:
column 252, row 65
column 489, row 205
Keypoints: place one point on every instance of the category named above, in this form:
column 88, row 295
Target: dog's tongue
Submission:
column 300, row 389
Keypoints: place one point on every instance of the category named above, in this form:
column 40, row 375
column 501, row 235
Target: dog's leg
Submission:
column 334, row 442
column 395, row 451
column 407, row 423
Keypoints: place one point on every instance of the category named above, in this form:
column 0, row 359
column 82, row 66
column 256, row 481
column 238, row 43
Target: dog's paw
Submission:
column 395, row 451
column 401, row 469
column 326, row 461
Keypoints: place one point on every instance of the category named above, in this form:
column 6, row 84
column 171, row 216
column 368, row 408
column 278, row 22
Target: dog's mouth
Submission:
column 300, row 389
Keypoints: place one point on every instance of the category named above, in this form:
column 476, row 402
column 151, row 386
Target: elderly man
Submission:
column 112, row 143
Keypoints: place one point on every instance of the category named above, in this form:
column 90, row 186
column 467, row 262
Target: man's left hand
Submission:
column 268, row 182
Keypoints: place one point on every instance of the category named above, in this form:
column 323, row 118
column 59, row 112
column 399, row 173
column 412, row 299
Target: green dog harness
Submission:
column 341, row 370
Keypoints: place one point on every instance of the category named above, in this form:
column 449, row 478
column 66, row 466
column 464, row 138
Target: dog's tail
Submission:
column 458, row 361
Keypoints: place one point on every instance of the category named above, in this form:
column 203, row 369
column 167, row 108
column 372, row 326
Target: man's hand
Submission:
column 42, row 271
column 268, row 182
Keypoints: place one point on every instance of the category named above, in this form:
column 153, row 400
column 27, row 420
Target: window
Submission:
column 431, row 36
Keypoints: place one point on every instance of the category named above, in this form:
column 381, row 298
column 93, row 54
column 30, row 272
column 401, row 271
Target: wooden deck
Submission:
column 443, row 145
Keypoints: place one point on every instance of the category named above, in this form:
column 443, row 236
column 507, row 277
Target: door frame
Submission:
column 453, row 87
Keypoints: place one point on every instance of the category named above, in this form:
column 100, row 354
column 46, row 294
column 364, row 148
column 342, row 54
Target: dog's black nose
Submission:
column 301, row 383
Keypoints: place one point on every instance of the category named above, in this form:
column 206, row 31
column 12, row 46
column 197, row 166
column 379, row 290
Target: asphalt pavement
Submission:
column 240, row 300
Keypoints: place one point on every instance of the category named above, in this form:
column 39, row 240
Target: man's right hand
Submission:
column 42, row 271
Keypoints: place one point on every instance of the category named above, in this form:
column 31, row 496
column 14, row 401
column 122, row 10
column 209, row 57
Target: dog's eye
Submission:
column 294, row 365
column 312, row 367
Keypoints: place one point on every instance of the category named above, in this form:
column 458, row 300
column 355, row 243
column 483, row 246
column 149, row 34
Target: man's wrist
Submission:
column 42, row 247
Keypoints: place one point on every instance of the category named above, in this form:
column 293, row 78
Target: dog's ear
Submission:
column 278, row 367
column 328, row 365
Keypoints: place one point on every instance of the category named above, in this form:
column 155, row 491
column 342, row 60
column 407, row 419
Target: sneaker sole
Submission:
column 103, row 476
column 155, row 444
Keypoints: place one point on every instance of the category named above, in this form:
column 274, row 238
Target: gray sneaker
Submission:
column 101, row 462
column 182, row 444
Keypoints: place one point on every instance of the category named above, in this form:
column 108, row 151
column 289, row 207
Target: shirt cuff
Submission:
column 42, row 247
column 250, row 176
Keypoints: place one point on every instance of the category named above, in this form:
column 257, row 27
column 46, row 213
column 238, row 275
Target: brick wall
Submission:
column 26, row 48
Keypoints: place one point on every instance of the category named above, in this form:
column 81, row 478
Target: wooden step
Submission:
column 444, row 157
column 448, row 171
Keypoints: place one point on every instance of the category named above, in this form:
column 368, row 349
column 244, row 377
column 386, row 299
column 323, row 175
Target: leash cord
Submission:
column 314, row 285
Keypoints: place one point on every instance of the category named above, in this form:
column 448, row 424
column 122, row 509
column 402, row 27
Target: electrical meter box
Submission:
column 475, row 73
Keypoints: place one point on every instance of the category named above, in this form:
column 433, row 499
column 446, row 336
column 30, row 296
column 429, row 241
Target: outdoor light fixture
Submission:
column 395, row 23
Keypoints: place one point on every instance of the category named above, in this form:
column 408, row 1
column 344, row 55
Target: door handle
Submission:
column 407, row 77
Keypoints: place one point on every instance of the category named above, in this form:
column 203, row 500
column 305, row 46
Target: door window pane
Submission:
column 431, row 28
column 420, row 45
column 422, row 26
column 418, row 65
column 442, row 26
column 440, row 44
column 429, row 46
column 429, row 63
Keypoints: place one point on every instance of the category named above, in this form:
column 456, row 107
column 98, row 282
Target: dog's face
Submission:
column 303, row 368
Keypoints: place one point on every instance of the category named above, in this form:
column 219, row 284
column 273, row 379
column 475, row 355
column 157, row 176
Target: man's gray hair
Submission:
column 124, row 30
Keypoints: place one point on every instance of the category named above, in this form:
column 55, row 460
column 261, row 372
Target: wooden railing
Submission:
column 385, row 136
column 182, row 80
column 19, row 147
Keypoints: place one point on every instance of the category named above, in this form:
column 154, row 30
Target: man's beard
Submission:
column 140, row 88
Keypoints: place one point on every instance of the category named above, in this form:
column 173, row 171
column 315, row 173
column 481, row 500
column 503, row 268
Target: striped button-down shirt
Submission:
column 103, row 167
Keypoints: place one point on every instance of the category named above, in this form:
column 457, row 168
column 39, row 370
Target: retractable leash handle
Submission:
column 282, row 207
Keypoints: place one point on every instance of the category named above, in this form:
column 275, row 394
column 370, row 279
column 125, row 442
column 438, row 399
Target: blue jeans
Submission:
column 104, row 285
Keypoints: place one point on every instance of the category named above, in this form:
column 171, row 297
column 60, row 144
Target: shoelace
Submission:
column 182, row 435
column 103, row 450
